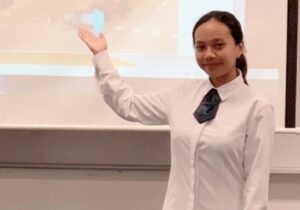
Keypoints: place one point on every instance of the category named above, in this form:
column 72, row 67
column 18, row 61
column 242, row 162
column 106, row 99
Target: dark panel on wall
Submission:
column 291, row 64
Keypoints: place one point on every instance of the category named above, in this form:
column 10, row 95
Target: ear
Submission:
column 239, row 49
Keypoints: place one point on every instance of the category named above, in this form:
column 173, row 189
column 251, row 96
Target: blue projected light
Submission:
column 95, row 19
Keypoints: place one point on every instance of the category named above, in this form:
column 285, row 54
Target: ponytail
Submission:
column 241, row 63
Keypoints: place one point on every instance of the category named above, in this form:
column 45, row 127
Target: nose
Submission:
column 209, row 54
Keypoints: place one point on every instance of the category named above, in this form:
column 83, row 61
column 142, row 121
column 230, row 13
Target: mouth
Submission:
column 211, row 64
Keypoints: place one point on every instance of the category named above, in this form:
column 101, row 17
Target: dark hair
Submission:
column 235, row 29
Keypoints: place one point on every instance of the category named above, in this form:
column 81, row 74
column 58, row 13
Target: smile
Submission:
column 211, row 64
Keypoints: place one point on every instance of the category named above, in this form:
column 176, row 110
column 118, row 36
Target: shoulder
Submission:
column 260, row 106
column 251, row 100
column 258, row 99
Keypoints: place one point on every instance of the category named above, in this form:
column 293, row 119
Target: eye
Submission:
column 219, row 45
column 200, row 48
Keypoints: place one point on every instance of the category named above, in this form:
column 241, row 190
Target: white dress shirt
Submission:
column 221, row 164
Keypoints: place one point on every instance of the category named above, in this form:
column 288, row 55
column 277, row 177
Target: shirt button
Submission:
column 192, row 161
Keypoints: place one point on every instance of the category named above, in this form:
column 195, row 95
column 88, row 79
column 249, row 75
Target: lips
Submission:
column 211, row 64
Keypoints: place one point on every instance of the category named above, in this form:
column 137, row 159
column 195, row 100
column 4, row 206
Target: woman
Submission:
column 220, row 149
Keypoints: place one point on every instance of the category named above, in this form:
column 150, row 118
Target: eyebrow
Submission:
column 214, row 40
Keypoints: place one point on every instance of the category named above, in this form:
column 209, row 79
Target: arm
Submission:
column 150, row 108
column 258, row 149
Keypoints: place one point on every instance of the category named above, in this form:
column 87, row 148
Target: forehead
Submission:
column 212, row 30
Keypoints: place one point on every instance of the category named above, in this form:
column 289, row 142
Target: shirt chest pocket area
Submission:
column 223, row 138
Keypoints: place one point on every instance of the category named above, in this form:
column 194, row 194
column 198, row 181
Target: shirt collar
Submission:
column 228, row 89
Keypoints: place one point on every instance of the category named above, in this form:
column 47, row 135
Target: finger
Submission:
column 84, row 31
column 85, row 35
column 83, row 28
column 101, row 35
column 81, row 35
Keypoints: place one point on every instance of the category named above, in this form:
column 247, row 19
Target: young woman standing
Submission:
column 221, row 130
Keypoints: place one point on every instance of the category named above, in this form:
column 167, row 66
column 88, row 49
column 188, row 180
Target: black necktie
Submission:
column 208, row 107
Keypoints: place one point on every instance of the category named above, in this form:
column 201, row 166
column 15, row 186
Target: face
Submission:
column 216, row 51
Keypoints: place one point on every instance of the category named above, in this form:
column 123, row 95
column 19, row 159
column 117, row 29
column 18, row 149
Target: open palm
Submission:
column 95, row 43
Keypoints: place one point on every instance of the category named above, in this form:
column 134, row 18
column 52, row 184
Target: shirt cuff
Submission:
column 102, row 61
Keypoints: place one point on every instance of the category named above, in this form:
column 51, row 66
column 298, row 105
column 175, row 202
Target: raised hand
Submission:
column 94, row 43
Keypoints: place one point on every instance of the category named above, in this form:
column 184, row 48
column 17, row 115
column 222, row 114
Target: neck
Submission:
column 219, row 81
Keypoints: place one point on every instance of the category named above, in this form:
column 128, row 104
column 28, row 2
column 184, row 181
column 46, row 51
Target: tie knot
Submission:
column 212, row 96
column 208, row 107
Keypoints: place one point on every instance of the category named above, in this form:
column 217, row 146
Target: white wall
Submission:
column 36, row 189
column 86, row 189
column 102, row 149
column 265, row 37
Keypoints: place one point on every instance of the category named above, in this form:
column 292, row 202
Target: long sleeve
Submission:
column 258, row 148
column 151, row 108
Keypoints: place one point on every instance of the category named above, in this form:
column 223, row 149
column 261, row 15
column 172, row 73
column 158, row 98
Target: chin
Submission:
column 213, row 73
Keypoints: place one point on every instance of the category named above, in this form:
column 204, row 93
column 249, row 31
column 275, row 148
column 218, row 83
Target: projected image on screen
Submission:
column 149, row 38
